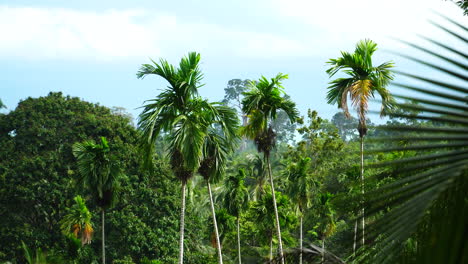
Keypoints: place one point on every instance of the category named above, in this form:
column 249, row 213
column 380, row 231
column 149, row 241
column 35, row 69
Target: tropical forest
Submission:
column 249, row 177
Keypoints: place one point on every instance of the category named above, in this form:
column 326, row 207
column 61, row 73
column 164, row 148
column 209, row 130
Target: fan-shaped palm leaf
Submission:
column 428, row 203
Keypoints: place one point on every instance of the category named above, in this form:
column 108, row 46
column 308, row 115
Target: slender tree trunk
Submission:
column 182, row 225
column 355, row 237
column 271, row 247
column 323, row 250
column 244, row 139
column 300, row 241
column 278, row 228
column 213, row 213
column 238, row 241
column 103, row 238
column 362, row 189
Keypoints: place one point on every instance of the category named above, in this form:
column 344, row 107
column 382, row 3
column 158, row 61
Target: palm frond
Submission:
column 427, row 203
column 362, row 82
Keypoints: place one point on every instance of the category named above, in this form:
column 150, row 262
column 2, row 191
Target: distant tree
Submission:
column 256, row 171
column 1, row 104
column 263, row 215
column 236, row 200
column 261, row 104
column 233, row 95
column 121, row 111
column 285, row 130
column 300, row 189
column 346, row 126
column 99, row 174
column 326, row 216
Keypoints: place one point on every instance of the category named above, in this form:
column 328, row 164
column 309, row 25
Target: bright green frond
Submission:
column 363, row 80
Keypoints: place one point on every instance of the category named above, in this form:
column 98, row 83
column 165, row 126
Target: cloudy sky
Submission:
column 93, row 49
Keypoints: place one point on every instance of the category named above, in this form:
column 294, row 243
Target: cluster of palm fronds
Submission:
column 422, row 217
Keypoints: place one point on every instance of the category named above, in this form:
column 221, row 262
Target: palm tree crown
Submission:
column 262, row 103
column 363, row 81
column 99, row 172
column 222, row 125
column 300, row 184
column 236, row 196
column 77, row 221
column 178, row 111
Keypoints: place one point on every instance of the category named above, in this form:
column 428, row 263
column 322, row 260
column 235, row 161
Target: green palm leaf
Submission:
column 421, row 218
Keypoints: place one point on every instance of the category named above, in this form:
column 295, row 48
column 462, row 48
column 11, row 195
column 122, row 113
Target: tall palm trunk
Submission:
column 244, row 139
column 271, row 247
column 103, row 238
column 300, row 241
column 323, row 250
column 278, row 228
column 355, row 237
column 238, row 241
column 182, row 225
column 362, row 189
column 218, row 243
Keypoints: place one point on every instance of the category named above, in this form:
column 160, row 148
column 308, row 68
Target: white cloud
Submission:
column 314, row 28
column 61, row 33
column 55, row 33
column 333, row 24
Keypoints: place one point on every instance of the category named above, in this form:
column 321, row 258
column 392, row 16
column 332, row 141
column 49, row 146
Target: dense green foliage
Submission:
column 56, row 181
column 38, row 179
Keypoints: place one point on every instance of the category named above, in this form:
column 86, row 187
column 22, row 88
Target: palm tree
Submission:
column 236, row 200
column 180, row 112
column 256, row 175
column 77, row 221
column 261, row 104
column 264, row 215
column 363, row 81
column 326, row 214
column 300, row 189
column 219, row 143
column 99, row 173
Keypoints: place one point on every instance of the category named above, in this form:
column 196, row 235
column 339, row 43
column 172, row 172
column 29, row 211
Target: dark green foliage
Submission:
column 236, row 195
column 37, row 179
column 37, row 167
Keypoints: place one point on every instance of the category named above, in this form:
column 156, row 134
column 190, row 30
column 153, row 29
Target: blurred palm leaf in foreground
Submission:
column 422, row 217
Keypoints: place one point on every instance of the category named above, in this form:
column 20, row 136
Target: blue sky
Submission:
column 92, row 49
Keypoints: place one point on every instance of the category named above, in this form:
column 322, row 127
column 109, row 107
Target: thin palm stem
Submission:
column 182, row 223
column 213, row 213
column 278, row 228
column 271, row 247
column 103, row 239
column 323, row 250
column 238, row 242
column 362, row 190
column 355, row 237
column 300, row 241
